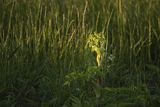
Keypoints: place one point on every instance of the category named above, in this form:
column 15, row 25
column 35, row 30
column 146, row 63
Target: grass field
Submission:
column 79, row 53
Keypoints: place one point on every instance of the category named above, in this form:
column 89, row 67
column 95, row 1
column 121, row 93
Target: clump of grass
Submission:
column 42, row 42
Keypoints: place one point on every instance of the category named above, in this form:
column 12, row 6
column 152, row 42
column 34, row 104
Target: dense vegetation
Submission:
column 79, row 53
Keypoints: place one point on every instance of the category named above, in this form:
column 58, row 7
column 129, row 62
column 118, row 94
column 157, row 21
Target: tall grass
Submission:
column 42, row 42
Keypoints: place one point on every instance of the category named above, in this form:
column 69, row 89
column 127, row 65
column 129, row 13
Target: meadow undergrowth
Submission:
column 47, row 61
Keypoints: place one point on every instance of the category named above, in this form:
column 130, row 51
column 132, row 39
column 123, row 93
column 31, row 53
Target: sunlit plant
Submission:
column 96, row 42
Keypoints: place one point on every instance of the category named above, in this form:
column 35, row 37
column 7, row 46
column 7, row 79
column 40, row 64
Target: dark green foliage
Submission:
column 44, row 61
